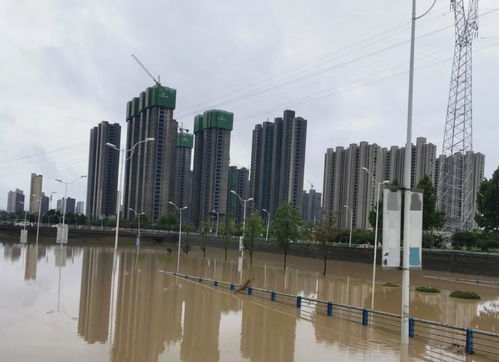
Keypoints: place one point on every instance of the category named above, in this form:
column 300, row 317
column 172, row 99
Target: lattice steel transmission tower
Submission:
column 455, row 189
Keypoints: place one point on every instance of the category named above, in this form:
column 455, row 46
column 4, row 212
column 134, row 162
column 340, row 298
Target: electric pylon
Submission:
column 455, row 188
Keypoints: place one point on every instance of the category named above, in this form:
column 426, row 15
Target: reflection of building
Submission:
column 12, row 252
column 203, row 311
column 15, row 201
column 31, row 260
column 148, row 309
column 267, row 335
column 95, row 294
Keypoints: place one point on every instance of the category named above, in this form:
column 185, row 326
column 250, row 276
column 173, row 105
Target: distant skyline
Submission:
column 342, row 66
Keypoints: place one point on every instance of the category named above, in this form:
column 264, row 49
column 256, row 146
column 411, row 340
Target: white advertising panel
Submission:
column 392, row 205
column 415, row 229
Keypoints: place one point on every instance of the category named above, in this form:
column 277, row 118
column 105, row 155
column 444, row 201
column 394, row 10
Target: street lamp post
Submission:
column 351, row 225
column 138, row 214
column 39, row 213
column 179, row 209
column 268, row 224
column 64, row 234
column 244, row 209
column 24, row 232
column 118, row 192
column 218, row 218
column 378, row 187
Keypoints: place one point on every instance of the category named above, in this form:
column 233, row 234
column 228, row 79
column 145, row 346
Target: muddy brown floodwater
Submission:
column 89, row 304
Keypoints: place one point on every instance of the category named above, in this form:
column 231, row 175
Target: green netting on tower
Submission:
column 161, row 97
column 185, row 140
column 216, row 118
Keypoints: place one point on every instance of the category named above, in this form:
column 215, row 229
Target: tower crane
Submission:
column 311, row 184
column 157, row 81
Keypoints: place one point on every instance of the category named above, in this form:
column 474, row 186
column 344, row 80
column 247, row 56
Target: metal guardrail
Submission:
column 445, row 336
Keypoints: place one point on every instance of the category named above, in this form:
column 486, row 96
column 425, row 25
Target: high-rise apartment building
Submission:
column 70, row 205
column 15, row 201
column 311, row 207
column 238, row 182
column 456, row 201
column 45, row 204
column 80, row 208
column 278, row 162
column 35, row 193
column 150, row 166
column 211, row 164
column 182, row 188
column 349, row 191
column 103, row 167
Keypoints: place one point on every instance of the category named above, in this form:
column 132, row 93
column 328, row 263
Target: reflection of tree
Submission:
column 95, row 294
column 267, row 334
column 148, row 309
column 31, row 260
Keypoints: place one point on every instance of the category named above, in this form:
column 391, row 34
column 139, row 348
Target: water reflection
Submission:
column 95, row 295
column 145, row 315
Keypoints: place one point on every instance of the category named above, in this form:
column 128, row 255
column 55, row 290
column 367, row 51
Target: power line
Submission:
column 43, row 153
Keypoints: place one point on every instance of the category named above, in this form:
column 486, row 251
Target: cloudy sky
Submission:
column 342, row 65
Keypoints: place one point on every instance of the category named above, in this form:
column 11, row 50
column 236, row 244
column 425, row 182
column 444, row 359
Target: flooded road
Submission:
column 89, row 304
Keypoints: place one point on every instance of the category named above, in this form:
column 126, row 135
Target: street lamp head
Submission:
column 131, row 209
column 250, row 199
column 111, row 145
column 346, row 206
column 233, row 192
column 171, row 203
column 264, row 210
column 386, row 182
column 58, row 180
column 185, row 207
column 366, row 169
column 149, row 139
column 83, row 176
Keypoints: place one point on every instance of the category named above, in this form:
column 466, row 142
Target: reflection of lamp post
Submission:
column 351, row 225
column 179, row 209
column 138, row 214
column 378, row 186
column 118, row 193
column 268, row 224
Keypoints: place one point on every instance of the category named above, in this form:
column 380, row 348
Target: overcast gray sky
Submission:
column 342, row 65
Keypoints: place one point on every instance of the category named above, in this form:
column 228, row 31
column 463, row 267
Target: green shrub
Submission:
column 461, row 239
column 390, row 285
column 464, row 295
column 427, row 290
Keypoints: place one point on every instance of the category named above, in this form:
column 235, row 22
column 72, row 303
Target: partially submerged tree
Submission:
column 204, row 228
column 187, row 229
column 326, row 234
column 286, row 227
column 253, row 229
column 227, row 231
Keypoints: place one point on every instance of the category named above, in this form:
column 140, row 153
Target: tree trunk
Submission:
column 225, row 253
column 251, row 257
column 325, row 265
column 285, row 257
